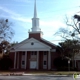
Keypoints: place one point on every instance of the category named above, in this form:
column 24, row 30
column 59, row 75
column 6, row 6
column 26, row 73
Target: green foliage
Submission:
column 60, row 63
column 4, row 47
column 5, row 63
column 68, row 46
column 14, row 43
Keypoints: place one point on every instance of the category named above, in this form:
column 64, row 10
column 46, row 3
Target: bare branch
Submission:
column 5, row 29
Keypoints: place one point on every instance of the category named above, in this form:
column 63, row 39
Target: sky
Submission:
column 50, row 12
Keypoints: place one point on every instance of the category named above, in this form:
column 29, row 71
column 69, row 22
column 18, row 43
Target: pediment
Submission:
column 32, row 44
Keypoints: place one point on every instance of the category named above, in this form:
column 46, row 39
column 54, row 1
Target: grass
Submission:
column 54, row 72
column 64, row 73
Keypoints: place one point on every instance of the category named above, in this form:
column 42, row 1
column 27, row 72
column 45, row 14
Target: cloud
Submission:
column 18, row 17
column 48, row 27
column 22, row 19
column 9, row 11
column 51, row 25
column 14, row 15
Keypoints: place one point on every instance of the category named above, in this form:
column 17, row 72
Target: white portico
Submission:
column 34, row 47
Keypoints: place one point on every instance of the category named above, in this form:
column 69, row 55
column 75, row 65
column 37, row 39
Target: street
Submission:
column 31, row 77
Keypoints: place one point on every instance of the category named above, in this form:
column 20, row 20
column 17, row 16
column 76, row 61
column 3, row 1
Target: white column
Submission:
column 15, row 60
column 18, row 60
column 49, row 60
column 37, row 59
column 25, row 59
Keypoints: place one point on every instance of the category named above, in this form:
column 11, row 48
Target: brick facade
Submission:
column 28, row 60
column 53, row 55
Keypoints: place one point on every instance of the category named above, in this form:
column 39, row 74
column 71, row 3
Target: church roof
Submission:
column 42, row 43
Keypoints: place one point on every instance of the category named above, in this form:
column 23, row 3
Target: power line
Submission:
column 58, row 40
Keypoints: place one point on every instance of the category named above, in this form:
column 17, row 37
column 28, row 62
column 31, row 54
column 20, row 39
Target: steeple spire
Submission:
column 35, row 20
column 35, row 10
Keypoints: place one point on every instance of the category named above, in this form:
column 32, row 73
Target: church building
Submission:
column 34, row 53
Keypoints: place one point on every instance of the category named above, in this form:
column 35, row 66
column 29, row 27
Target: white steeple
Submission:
column 35, row 20
column 35, row 11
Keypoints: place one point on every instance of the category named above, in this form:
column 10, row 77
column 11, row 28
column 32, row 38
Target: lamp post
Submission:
column 68, row 65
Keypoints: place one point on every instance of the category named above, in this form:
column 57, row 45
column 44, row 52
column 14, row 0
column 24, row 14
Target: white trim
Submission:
column 25, row 59
column 32, row 49
column 29, row 40
column 34, row 32
column 17, row 45
column 49, row 60
column 49, row 42
column 15, row 61
column 37, row 59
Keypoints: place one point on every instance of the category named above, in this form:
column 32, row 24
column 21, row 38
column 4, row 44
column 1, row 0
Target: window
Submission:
column 33, row 53
column 23, row 53
column 23, row 62
column 32, row 43
column 45, row 62
column 45, row 52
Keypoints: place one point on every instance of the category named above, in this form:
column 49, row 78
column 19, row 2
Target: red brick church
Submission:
column 34, row 52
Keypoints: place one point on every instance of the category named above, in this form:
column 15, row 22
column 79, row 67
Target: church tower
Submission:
column 35, row 30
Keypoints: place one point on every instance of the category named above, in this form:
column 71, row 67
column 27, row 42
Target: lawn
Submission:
column 55, row 72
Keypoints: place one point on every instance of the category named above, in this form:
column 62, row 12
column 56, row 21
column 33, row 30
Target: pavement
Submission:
column 29, row 76
column 35, row 77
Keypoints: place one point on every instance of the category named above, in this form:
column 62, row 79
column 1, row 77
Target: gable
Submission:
column 32, row 45
column 77, row 56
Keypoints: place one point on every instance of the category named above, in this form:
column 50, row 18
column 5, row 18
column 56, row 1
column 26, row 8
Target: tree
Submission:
column 72, row 31
column 71, row 36
column 5, row 63
column 61, row 64
column 14, row 43
column 6, row 32
column 69, row 49
column 4, row 47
